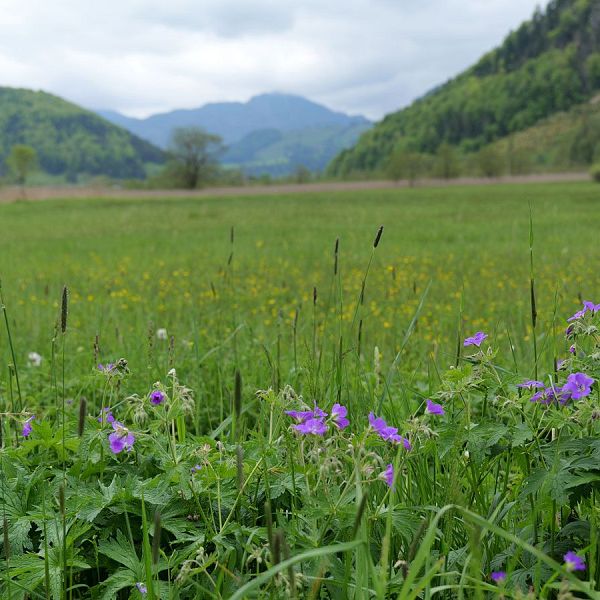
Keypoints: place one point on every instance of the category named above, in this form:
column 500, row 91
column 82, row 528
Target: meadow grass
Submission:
column 235, row 310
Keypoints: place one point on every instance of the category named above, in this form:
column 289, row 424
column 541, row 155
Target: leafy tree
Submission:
column 585, row 141
column 301, row 174
column 447, row 163
column 592, row 67
column 194, row 154
column 21, row 161
column 405, row 164
column 490, row 162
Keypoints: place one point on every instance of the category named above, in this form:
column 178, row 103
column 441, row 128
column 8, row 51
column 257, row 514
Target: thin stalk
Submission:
column 12, row 348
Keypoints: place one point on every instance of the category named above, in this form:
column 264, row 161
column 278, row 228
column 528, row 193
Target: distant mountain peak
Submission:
column 234, row 120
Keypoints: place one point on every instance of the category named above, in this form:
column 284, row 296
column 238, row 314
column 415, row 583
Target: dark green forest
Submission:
column 548, row 65
column 69, row 140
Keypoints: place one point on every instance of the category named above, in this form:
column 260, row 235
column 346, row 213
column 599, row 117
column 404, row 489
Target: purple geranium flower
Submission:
column 386, row 432
column 388, row 475
column 434, row 409
column 339, row 416
column 27, row 428
column 578, row 385
column 121, row 438
column 590, row 306
column 577, row 315
column 106, row 416
column 549, row 395
column 142, row 589
column 475, row 340
column 314, row 426
column 498, row 577
column 303, row 415
column 195, row 469
column 108, row 368
column 300, row 415
column 531, row 384
column 572, row 349
column 156, row 397
column 574, row 562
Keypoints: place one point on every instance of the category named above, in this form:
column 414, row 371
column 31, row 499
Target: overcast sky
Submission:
column 146, row 56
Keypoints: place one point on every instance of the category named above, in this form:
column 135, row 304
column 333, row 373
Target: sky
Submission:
column 141, row 57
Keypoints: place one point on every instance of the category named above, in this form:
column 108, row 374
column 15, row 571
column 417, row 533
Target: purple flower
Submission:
column 574, row 562
column 388, row 475
column 106, row 416
column 314, row 426
column 121, row 438
column 196, row 469
column 300, row 415
column 142, row 589
column 549, row 395
column 577, row 315
column 27, row 428
column 108, row 368
column 156, row 397
column 303, row 415
column 578, row 385
column 434, row 409
column 338, row 416
column 594, row 308
column 531, row 384
column 572, row 348
column 569, row 330
column 386, row 432
column 498, row 577
column 475, row 340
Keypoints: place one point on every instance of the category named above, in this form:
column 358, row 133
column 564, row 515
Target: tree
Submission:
column 490, row 162
column 301, row 174
column 447, row 164
column 21, row 161
column 194, row 154
column 404, row 164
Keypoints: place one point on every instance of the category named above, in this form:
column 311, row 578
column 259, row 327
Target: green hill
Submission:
column 549, row 64
column 279, row 153
column 69, row 140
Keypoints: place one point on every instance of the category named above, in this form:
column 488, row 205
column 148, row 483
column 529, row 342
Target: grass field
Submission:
column 220, row 495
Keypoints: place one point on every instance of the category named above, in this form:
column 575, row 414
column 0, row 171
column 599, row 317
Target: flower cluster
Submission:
column 312, row 422
column 577, row 386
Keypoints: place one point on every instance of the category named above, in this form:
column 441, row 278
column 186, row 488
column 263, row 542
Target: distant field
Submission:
column 131, row 262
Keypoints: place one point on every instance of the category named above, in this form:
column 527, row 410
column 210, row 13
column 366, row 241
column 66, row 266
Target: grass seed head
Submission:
column 64, row 309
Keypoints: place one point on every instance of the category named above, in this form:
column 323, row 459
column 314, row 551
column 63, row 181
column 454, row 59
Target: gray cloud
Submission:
column 144, row 56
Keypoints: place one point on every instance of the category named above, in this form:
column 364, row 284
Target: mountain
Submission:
column 234, row 120
column 69, row 140
column 271, row 134
column 549, row 64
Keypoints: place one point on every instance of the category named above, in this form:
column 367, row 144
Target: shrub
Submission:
column 595, row 172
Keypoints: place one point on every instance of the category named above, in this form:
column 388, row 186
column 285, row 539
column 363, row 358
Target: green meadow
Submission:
column 235, row 310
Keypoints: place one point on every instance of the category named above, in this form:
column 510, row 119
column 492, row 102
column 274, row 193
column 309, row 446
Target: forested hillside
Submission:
column 547, row 65
column 69, row 140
